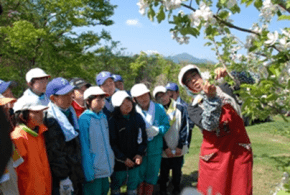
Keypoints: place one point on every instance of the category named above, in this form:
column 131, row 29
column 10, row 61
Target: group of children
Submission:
column 73, row 138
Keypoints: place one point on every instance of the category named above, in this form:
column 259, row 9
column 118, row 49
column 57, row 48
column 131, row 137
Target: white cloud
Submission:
column 133, row 22
column 150, row 52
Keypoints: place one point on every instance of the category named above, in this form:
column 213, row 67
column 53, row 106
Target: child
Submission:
column 119, row 82
column 62, row 138
column 173, row 92
column 97, row 154
column 37, row 81
column 226, row 159
column 8, row 182
column 157, row 125
column 5, row 88
column 34, row 176
column 129, row 142
column 78, row 95
column 105, row 81
column 175, row 141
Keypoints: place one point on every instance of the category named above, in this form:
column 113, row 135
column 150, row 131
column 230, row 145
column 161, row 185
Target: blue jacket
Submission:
column 161, row 121
column 97, row 154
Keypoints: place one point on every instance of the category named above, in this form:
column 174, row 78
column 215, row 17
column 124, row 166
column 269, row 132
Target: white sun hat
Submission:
column 139, row 89
column 119, row 97
column 159, row 89
column 184, row 70
column 35, row 73
column 28, row 103
column 95, row 90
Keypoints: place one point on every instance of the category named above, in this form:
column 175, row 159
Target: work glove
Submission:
column 66, row 187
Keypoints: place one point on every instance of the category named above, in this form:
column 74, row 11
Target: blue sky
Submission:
column 137, row 33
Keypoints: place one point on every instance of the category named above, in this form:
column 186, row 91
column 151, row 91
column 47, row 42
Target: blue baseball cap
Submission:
column 172, row 87
column 102, row 77
column 117, row 78
column 58, row 86
column 4, row 86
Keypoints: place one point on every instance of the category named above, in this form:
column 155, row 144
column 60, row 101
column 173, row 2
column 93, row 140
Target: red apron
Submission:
column 225, row 165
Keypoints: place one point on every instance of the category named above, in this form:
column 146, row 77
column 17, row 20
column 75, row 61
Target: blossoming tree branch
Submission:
column 264, row 54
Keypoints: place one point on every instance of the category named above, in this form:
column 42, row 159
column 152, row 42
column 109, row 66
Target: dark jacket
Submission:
column 124, row 138
column 64, row 157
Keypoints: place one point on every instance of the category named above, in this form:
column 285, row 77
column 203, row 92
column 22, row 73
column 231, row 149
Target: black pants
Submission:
column 170, row 163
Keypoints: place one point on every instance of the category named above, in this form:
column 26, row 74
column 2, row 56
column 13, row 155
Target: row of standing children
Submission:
column 117, row 136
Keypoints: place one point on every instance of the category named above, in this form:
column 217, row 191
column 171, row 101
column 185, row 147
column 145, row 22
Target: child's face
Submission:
column 79, row 93
column 108, row 86
column 119, row 85
column 143, row 100
column 162, row 98
column 62, row 101
column 126, row 107
column 8, row 93
column 98, row 103
column 35, row 118
column 172, row 94
column 39, row 85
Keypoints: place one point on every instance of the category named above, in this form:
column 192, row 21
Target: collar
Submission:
column 28, row 130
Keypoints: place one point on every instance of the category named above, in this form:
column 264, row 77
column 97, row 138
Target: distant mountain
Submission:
column 185, row 57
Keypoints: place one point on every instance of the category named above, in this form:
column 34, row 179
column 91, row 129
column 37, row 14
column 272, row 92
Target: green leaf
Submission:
column 151, row 13
column 208, row 44
column 258, row 4
column 284, row 17
column 160, row 15
column 223, row 14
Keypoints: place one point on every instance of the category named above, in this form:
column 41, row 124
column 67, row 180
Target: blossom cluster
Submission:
column 202, row 14
column 181, row 40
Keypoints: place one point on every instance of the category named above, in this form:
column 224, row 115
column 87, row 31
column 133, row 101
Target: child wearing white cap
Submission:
column 97, row 154
column 157, row 124
column 37, row 81
column 34, row 175
column 129, row 142
column 175, row 140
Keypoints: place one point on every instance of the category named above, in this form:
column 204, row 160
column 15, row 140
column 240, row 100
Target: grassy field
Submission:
column 270, row 144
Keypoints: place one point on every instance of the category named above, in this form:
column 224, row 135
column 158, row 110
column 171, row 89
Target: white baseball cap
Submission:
column 35, row 73
column 184, row 70
column 95, row 90
column 159, row 89
column 119, row 97
column 139, row 89
column 28, row 103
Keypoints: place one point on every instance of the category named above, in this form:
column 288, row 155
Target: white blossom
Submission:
column 142, row 6
column 231, row 3
column 203, row 13
column 283, row 44
column 272, row 38
column 172, row 4
column 205, row 75
column 181, row 40
column 268, row 10
column 287, row 34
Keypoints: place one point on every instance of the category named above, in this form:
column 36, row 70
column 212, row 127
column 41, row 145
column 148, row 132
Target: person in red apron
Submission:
column 226, row 159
